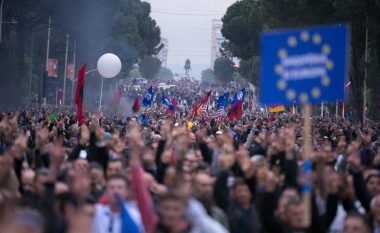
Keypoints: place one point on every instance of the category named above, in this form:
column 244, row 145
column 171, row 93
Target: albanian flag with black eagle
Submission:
column 79, row 94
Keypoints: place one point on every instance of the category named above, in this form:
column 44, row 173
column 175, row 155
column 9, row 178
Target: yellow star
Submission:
column 278, row 69
column 305, row 36
column 326, row 49
column 281, row 84
column 329, row 65
column 316, row 92
column 325, row 81
column 282, row 53
column 304, row 97
column 317, row 38
column 292, row 41
column 291, row 94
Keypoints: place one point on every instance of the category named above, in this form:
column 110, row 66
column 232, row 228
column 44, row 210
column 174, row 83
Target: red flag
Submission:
column 203, row 103
column 79, row 94
column 236, row 111
column 136, row 105
column 70, row 71
column 116, row 99
column 172, row 107
column 52, row 68
column 194, row 111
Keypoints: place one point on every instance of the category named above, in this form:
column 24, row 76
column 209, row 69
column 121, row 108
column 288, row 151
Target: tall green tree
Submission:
column 149, row 67
column 123, row 27
column 373, row 81
column 223, row 69
column 208, row 75
column 165, row 74
column 242, row 33
column 242, row 25
column 249, row 69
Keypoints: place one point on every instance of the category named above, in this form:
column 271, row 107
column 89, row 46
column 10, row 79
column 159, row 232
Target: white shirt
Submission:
column 104, row 217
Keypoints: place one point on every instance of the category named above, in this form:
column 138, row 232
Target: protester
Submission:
column 168, row 169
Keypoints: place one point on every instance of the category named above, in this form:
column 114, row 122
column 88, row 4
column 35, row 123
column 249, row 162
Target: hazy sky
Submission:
column 187, row 26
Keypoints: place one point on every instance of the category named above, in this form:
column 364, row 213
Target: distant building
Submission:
column 163, row 54
column 216, row 40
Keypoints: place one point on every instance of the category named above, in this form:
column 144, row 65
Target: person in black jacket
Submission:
column 242, row 213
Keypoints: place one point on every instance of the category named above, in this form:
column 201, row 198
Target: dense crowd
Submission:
column 179, row 174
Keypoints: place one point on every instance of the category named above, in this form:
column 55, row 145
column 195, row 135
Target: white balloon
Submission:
column 109, row 65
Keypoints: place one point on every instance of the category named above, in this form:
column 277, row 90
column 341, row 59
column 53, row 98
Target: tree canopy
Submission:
column 123, row 27
column 208, row 75
column 149, row 67
column 246, row 19
column 165, row 74
column 223, row 69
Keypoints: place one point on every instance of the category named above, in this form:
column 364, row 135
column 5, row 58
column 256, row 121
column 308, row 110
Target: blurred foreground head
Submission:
column 18, row 219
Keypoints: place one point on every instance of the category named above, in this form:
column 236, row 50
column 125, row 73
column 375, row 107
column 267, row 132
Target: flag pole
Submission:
column 307, row 165
column 65, row 72
column 31, row 69
column 365, row 70
column 322, row 107
column 101, row 95
column 336, row 109
column 47, row 63
column 73, row 80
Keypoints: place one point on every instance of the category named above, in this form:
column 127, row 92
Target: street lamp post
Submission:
column 65, row 72
column 108, row 66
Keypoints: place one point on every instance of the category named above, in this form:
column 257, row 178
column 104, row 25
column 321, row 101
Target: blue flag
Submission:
column 223, row 100
column 238, row 96
column 307, row 65
column 148, row 97
column 127, row 223
column 165, row 100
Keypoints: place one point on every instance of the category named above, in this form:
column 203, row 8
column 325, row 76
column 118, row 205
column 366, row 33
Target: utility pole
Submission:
column 31, row 70
column 1, row 19
column 43, row 87
column 365, row 68
column 48, row 45
column 65, row 73
column 73, row 80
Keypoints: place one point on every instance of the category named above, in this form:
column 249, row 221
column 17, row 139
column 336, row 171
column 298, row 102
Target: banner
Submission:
column 70, row 71
column 276, row 108
column 307, row 65
column 52, row 68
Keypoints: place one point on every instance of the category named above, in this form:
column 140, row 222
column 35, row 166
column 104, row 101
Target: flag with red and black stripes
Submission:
column 79, row 94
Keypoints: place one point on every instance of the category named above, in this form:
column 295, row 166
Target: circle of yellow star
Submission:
column 304, row 97
column 291, row 94
column 316, row 92
column 292, row 41
column 278, row 69
column 317, row 39
column 282, row 53
column 326, row 49
column 281, row 84
column 325, row 81
column 305, row 36
column 329, row 65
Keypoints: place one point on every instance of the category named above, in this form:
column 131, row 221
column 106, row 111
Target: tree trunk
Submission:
column 357, row 68
column 374, row 107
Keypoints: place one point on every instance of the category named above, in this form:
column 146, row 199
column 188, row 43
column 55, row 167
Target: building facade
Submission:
column 216, row 40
